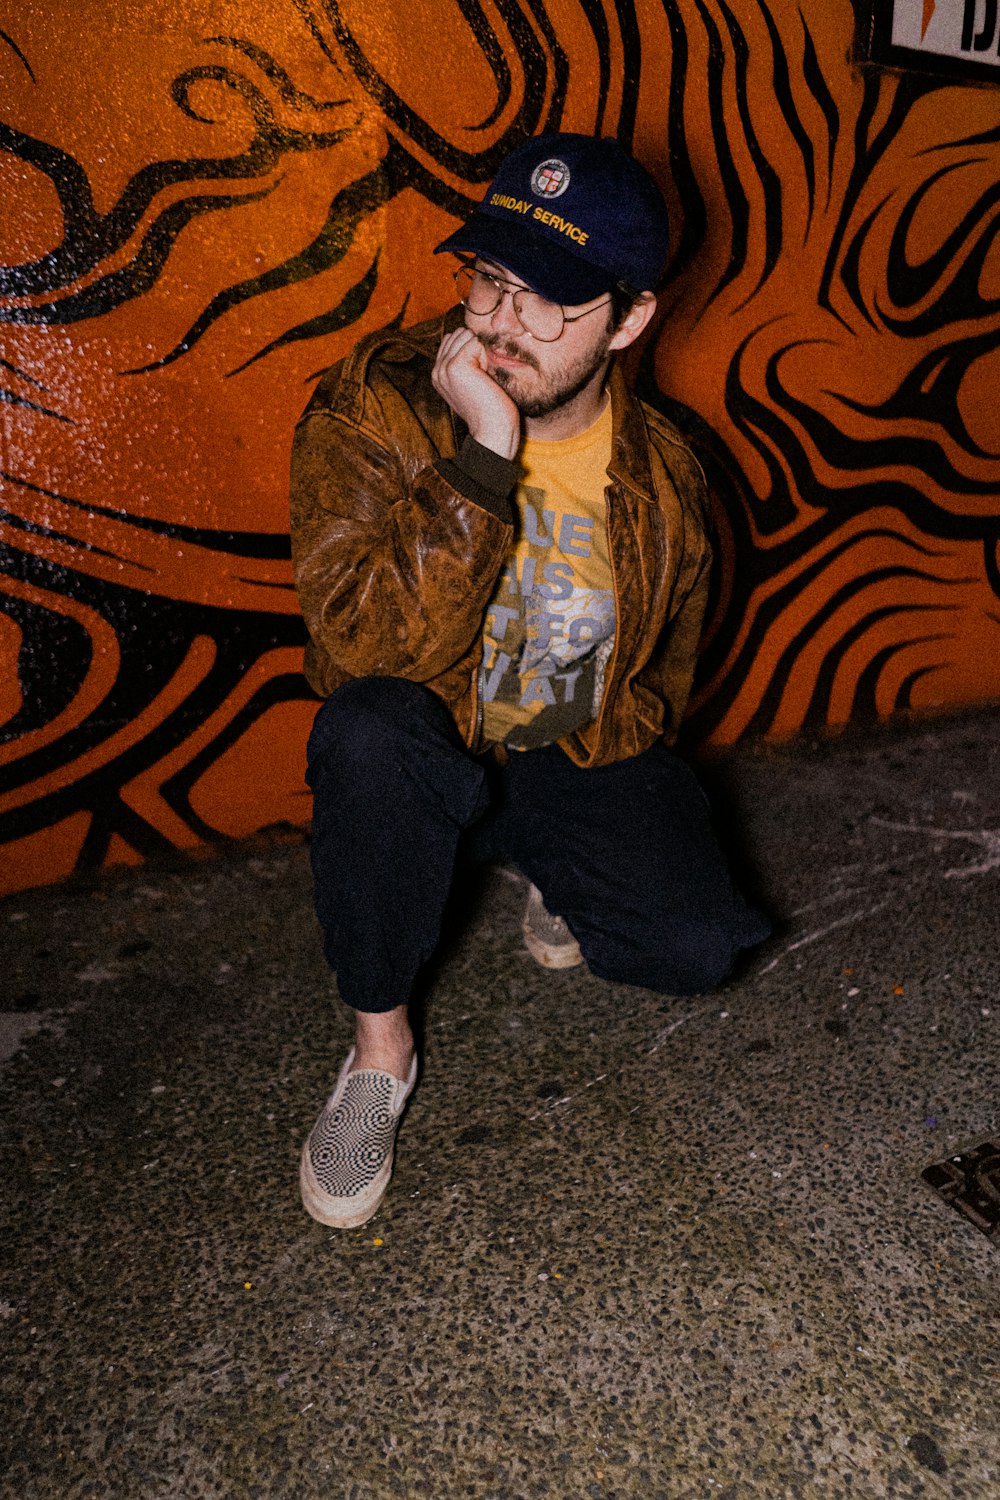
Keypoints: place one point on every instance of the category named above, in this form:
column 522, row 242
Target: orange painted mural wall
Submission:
column 204, row 206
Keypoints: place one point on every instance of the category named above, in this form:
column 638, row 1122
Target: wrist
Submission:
column 502, row 438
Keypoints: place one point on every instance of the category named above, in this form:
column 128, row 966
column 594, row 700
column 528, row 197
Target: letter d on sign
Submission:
column 981, row 40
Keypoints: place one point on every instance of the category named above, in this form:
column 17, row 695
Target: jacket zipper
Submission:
column 476, row 727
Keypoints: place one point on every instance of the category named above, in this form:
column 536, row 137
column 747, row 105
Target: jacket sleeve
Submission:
column 394, row 566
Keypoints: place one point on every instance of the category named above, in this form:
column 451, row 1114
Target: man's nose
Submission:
column 504, row 318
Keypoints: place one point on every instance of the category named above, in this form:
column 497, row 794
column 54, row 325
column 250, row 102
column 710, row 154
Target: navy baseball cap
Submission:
column 572, row 216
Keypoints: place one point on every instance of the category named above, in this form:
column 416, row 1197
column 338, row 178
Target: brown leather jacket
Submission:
column 398, row 538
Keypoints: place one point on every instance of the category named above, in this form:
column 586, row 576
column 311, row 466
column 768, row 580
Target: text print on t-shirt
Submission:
column 549, row 627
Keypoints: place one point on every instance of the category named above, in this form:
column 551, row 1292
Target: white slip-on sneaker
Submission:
column 347, row 1158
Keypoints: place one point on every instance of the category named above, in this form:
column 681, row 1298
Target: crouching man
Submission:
column 502, row 561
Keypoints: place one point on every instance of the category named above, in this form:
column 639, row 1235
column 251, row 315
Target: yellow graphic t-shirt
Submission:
column 550, row 625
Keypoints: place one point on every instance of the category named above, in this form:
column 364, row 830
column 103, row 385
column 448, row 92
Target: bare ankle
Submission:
column 384, row 1041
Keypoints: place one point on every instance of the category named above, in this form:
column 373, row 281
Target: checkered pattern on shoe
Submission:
column 350, row 1143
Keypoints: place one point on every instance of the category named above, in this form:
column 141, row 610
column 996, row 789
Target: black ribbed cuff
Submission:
column 482, row 476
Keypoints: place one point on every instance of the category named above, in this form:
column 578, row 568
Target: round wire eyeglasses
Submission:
column 481, row 293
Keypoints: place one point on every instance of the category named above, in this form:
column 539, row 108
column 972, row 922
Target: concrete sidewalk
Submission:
column 634, row 1246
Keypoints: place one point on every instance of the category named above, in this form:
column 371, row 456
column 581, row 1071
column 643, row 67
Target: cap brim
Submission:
column 545, row 267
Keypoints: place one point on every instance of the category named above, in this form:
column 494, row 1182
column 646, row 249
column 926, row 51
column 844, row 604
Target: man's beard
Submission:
column 557, row 389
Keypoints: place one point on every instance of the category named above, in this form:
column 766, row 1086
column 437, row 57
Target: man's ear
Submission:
column 635, row 321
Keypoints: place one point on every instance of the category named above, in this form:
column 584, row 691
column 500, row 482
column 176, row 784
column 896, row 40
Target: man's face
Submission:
column 541, row 377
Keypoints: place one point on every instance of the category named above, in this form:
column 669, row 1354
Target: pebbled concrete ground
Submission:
column 634, row 1246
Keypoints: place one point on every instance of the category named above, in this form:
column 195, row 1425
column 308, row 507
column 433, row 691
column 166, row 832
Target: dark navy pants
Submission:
column 625, row 853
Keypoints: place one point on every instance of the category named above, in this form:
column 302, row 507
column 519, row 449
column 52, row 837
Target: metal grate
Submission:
column 970, row 1182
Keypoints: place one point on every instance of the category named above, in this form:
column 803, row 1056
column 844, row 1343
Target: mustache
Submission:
column 501, row 345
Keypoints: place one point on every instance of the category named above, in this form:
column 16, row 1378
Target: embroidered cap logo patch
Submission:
column 550, row 178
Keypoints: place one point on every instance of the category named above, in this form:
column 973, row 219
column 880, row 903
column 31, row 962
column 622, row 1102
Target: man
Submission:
column 502, row 562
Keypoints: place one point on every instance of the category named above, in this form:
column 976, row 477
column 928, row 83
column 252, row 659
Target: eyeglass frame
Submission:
column 508, row 289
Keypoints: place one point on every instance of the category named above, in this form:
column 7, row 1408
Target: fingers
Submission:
column 461, row 376
column 458, row 348
column 460, row 369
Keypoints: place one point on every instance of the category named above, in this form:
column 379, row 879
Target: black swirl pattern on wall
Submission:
column 65, row 612
column 837, row 459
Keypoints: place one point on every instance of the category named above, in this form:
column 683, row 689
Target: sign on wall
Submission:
column 959, row 38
